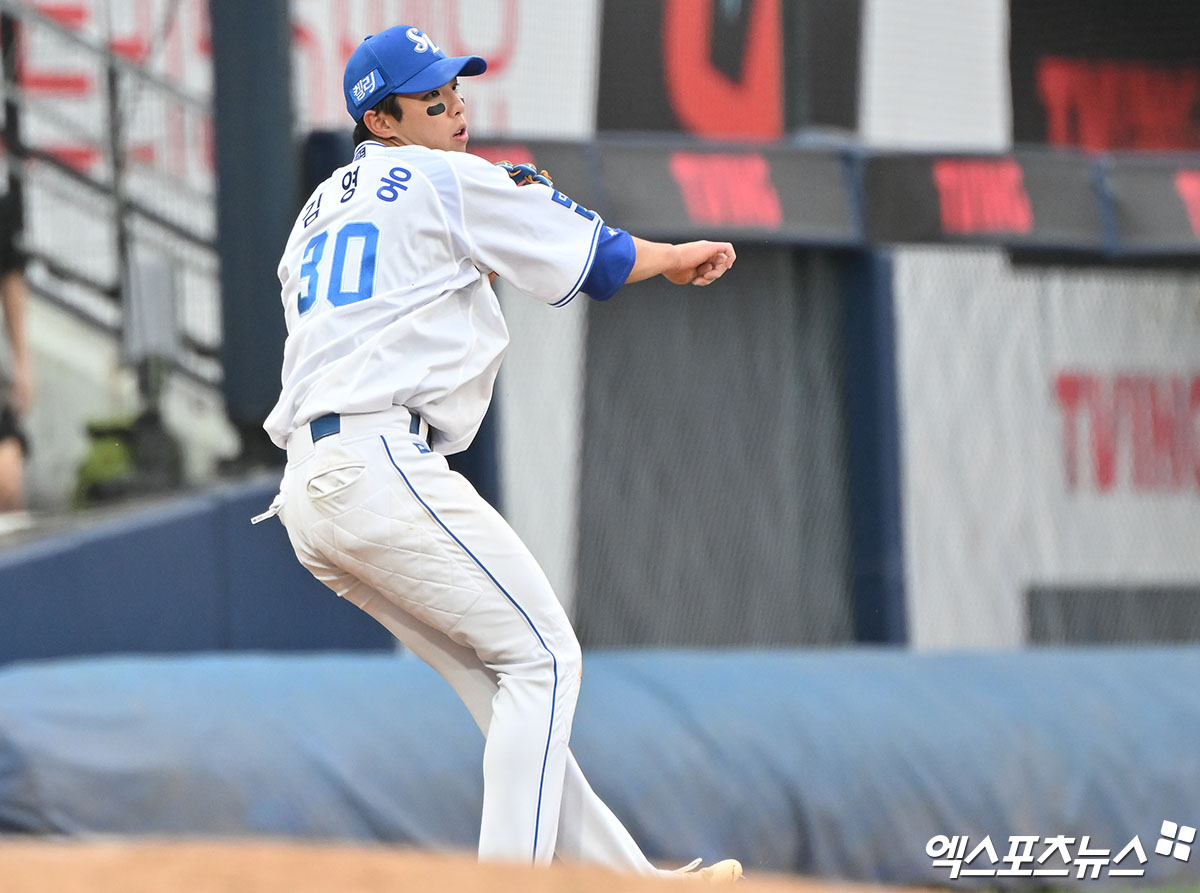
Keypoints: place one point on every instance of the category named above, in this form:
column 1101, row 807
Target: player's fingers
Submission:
column 717, row 258
column 712, row 270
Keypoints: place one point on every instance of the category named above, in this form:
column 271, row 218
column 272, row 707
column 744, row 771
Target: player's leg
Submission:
column 392, row 514
column 517, row 628
column 588, row 831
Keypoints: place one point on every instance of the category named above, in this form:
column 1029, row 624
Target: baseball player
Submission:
column 394, row 341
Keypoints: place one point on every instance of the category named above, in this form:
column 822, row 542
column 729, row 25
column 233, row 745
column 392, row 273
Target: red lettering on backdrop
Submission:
column 73, row 15
column 1068, row 390
column 982, row 196
column 54, row 80
column 1105, row 104
column 135, row 46
column 719, row 188
column 202, row 30
column 704, row 99
column 57, row 80
column 1187, row 184
column 1143, row 429
column 82, row 158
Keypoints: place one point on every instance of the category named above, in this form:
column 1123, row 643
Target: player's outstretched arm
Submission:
column 698, row 263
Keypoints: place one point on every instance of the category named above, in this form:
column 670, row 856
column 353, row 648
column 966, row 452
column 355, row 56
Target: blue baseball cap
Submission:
column 400, row 60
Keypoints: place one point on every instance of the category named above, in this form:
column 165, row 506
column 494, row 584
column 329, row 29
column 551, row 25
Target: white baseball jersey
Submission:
column 385, row 288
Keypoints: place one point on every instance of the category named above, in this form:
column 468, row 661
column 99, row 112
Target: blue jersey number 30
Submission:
column 352, row 272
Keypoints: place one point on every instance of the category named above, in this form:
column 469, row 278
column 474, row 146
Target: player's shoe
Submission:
column 727, row 870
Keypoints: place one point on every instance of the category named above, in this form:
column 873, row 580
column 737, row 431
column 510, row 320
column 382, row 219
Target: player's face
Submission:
column 436, row 119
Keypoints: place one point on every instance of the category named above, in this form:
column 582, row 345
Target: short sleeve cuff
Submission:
column 615, row 254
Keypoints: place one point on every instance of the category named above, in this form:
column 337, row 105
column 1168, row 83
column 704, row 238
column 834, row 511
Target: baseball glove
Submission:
column 523, row 174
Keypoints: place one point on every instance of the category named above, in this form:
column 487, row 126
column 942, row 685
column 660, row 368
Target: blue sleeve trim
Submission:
column 615, row 255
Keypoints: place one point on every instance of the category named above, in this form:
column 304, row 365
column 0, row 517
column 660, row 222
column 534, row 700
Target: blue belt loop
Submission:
column 414, row 424
column 323, row 426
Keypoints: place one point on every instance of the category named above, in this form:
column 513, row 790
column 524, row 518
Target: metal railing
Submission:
column 112, row 163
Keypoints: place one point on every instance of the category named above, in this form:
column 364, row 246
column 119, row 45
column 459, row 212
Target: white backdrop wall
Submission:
column 934, row 74
column 1049, row 435
column 541, row 58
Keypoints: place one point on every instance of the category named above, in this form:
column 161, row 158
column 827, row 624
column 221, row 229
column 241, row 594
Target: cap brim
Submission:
column 442, row 72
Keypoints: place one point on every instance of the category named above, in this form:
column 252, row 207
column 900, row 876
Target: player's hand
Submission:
column 523, row 174
column 701, row 263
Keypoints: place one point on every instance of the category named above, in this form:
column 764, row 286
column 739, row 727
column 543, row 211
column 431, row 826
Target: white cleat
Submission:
column 725, row 871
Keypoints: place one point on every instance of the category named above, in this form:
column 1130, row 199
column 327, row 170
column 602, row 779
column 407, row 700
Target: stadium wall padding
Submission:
column 840, row 763
column 189, row 574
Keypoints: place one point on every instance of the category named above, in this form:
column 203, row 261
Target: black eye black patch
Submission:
column 434, row 110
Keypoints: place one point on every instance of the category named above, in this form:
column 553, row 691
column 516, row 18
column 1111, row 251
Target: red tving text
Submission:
column 1106, row 104
column 1130, row 429
column 731, row 189
column 982, row 196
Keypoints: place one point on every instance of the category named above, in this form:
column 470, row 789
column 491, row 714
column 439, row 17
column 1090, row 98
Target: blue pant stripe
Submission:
column 553, row 660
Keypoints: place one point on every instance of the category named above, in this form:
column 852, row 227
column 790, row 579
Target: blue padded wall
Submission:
column 191, row 574
column 841, row 764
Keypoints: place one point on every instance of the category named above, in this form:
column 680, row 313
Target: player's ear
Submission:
column 379, row 123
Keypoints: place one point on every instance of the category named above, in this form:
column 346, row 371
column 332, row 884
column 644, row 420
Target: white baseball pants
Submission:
column 383, row 522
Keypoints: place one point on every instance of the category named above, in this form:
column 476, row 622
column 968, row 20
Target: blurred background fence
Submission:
column 948, row 397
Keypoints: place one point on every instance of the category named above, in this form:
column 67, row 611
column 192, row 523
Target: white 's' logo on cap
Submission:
column 365, row 87
column 421, row 42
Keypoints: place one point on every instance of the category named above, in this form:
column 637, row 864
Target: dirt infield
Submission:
column 162, row 866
